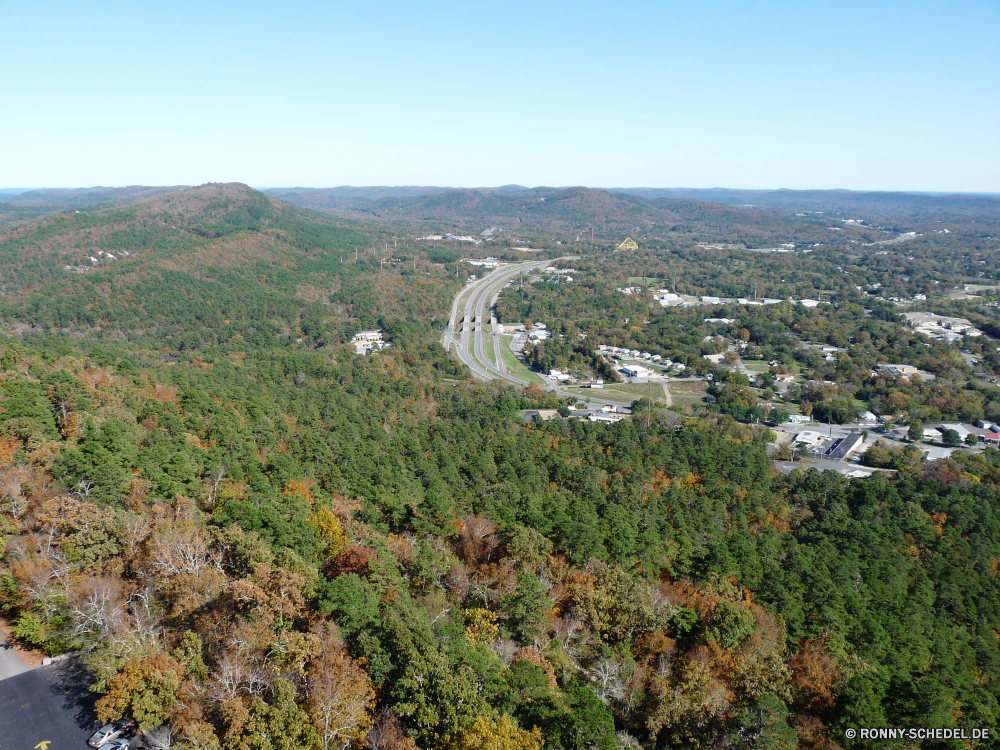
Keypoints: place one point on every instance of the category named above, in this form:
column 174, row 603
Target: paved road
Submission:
column 10, row 662
column 824, row 464
column 472, row 306
column 48, row 704
column 478, row 298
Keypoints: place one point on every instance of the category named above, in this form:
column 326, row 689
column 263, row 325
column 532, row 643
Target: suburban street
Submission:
column 472, row 306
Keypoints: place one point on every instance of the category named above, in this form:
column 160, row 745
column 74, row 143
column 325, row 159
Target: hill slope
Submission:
column 217, row 259
column 569, row 210
column 79, row 197
column 32, row 204
column 882, row 204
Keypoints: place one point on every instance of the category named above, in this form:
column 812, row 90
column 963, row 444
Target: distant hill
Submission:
column 220, row 258
column 347, row 197
column 77, row 197
column 538, row 208
column 21, row 205
column 568, row 210
column 873, row 203
column 678, row 216
column 351, row 200
column 412, row 202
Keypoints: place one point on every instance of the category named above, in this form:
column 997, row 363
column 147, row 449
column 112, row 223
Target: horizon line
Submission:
column 19, row 190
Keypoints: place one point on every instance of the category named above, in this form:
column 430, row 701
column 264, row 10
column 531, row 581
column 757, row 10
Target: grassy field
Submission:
column 648, row 281
column 978, row 288
column 472, row 351
column 620, row 391
column 488, row 345
column 514, row 366
column 688, row 387
column 686, row 392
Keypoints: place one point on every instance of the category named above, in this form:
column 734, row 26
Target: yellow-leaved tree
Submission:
column 486, row 733
column 328, row 527
column 481, row 625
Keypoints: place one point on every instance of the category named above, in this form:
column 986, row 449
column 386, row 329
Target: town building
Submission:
column 897, row 369
column 368, row 341
column 636, row 371
column 962, row 430
column 935, row 453
column 941, row 326
column 843, row 449
column 543, row 414
column 607, row 417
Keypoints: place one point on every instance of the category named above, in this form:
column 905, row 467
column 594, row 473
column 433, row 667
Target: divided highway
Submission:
column 476, row 303
column 471, row 306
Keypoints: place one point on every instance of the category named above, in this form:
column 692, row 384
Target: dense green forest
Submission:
column 299, row 521
column 261, row 539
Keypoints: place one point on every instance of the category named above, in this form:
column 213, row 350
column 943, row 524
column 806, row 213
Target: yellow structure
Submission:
column 628, row 244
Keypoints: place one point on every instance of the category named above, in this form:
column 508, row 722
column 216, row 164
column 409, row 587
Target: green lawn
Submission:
column 649, row 281
column 624, row 391
column 514, row 366
column 472, row 351
column 488, row 345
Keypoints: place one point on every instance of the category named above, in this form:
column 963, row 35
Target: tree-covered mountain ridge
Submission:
column 207, row 258
column 573, row 209
column 564, row 213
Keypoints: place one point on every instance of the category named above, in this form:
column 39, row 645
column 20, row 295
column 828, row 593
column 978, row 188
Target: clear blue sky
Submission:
column 888, row 95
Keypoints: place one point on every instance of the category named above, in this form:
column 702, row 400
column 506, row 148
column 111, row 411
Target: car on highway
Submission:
column 110, row 732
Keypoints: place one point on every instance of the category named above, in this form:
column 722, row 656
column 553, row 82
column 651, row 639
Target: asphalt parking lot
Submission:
column 47, row 708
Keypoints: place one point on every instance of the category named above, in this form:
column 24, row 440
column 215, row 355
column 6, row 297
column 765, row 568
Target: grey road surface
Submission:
column 472, row 306
column 48, row 708
column 479, row 298
column 10, row 662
